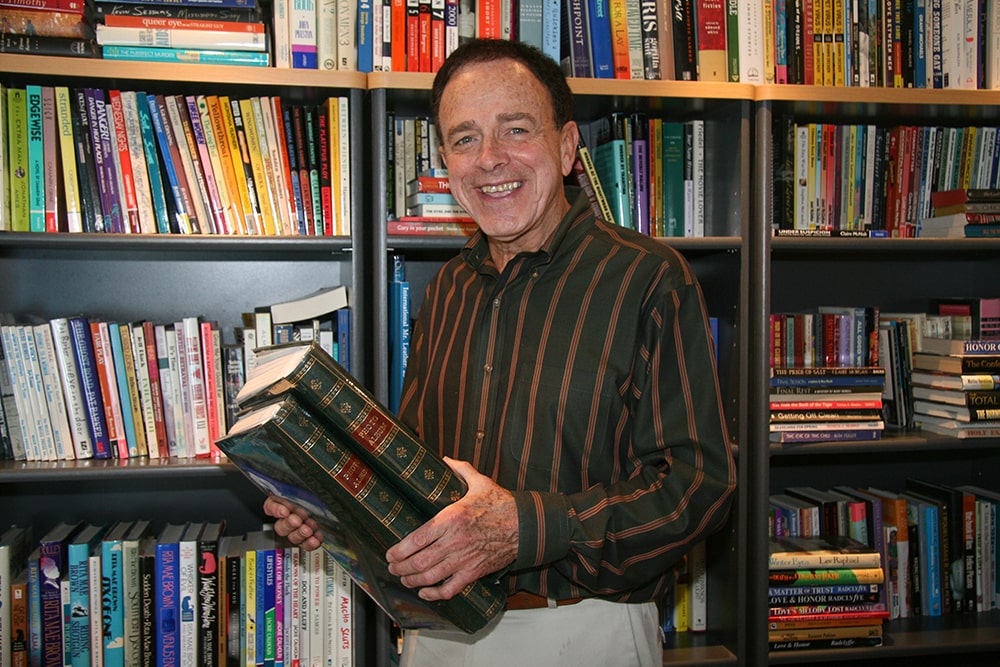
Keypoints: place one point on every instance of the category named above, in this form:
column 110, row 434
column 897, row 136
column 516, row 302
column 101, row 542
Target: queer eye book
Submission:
column 311, row 433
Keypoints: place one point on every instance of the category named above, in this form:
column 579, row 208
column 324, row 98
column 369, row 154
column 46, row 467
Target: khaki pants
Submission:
column 593, row 633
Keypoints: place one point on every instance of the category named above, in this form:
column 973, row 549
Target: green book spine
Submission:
column 17, row 158
column 387, row 444
column 284, row 436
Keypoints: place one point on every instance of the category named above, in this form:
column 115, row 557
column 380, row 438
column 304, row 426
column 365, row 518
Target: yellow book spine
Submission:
column 622, row 62
column 817, row 45
column 238, row 153
column 968, row 153
column 227, row 215
column 67, row 152
column 270, row 149
column 769, row 45
column 333, row 207
column 257, row 164
column 839, row 35
column 344, row 134
column 221, row 142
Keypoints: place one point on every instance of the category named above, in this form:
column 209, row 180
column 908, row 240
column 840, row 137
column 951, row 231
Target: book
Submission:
column 166, row 595
column 285, row 450
column 318, row 304
column 78, row 621
column 319, row 381
column 789, row 553
column 15, row 544
column 960, row 347
column 53, row 576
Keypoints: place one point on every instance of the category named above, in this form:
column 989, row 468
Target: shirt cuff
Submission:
column 543, row 528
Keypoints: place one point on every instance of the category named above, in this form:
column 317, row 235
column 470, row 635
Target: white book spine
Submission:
column 317, row 608
column 179, row 38
column 326, row 34
column 347, row 19
column 19, row 382
column 281, row 26
column 184, row 379
column 345, row 616
column 187, row 588
column 196, row 385
column 76, row 410
column 698, row 169
column 801, row 190
column 137, row 155
column 140, row 358
column 36, row 386
column 751, row 41
column 344, row 128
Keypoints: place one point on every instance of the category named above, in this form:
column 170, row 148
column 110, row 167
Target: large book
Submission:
column 286, row 450
column 340, row 400
column 78, row 621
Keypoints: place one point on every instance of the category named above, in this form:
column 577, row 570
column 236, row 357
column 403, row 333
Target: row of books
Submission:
column 181, row 593
column 120, row 161
column 937, row 543
column 863, row 180
column 841, row 336
column 411, row 151
column 651, row 172
column 79, row 387
column 823, row 592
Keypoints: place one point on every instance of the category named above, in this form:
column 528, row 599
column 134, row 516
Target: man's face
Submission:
column 506, row 159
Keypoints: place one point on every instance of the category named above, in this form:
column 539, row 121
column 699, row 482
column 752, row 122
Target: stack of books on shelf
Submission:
column 824, row 592
column 869, row 180
column 220, row 32
column 963, row 213
column 131, row 162
column 956, row 387
column 362, row 474
column 180, row 593
column 48, row 27
column 431, row 208
column 826, row 384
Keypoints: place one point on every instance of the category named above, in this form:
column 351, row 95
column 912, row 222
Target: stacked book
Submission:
column 221, row 32
column 431, row 208
column 311, row 434
column 824, row 593
column 956, row 387
column 826, row 404
column 48, row 27
column 963, row 213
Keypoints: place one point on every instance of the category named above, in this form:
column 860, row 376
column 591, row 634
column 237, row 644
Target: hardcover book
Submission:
column 363, row 508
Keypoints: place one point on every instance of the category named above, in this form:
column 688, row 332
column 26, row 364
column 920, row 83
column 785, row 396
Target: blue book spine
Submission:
column 34, row 610
column 578, row 33
column 117, row 354
column 202, row 56
column 113, row 603
column 931, row 552
column 152, row 164
column 529, row 22
column 399, row 339
column 36, row 159
column 53, row 577
column 160, row 130
column 364, row 36
column 601, row 56
column 920, row 43
column 78, row 620
column 344, row 338
column 86, row 366
column 167, row 604
column 293, row 168
column 551, row 28
column 430, row 198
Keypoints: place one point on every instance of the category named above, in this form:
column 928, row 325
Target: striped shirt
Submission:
column 581, row 379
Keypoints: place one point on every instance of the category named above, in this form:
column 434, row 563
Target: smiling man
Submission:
column 565, row 367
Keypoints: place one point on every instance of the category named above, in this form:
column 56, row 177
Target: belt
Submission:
column 526, row 600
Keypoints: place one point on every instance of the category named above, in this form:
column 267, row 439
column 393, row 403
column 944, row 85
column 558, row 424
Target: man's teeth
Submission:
column 504, row 187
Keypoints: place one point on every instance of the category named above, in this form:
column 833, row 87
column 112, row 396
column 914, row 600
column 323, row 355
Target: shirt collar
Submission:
column 477, row 251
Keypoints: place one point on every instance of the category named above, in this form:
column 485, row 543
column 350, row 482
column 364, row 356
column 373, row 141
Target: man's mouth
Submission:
column 501, row 188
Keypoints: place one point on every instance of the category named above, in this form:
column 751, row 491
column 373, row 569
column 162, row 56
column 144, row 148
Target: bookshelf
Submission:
column 897, row 274
column 163, row 278
column 745, row 273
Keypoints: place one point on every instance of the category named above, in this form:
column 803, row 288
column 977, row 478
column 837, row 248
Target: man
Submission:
column 565, row 366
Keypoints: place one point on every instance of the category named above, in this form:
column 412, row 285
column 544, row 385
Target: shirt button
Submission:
column 534, row 273
column 488, row 368
column 496, row 302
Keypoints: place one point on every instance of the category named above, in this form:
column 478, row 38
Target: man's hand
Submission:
column 294, row 523
column 470, row 538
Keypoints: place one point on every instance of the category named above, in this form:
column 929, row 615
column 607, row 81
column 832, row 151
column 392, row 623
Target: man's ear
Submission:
column 569, row 140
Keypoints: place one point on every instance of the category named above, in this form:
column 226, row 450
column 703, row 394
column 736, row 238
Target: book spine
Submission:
column 180, row 38
column 167, row 605
column 113, row 603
